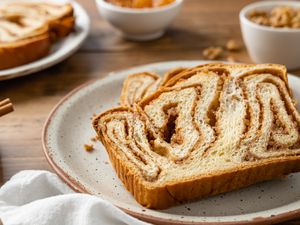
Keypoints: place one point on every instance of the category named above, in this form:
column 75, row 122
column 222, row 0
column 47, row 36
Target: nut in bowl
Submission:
column 270, row 32
column 140, row 24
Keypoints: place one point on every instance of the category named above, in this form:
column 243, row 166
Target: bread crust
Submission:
column 21, row 52
column 275, row 69
column 198, row 186
column 63, row 26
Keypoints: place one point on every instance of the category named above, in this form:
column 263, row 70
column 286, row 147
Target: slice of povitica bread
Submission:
column 208, row 130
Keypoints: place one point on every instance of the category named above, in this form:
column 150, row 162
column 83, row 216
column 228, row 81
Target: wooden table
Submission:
column 201, row 23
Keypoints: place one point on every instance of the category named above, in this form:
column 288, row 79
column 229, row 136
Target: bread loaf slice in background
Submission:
column 28, row 29
column 22, row 40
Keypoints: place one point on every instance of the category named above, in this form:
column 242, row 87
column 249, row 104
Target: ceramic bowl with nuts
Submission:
column 271, row 32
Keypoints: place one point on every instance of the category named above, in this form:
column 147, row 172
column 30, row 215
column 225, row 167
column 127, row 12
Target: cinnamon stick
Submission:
column 6, row 107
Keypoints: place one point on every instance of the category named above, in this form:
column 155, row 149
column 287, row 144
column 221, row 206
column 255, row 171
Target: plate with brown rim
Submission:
column 69, row 127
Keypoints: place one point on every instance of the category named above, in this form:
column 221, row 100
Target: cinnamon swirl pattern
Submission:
column 140, row 85
column 28, row 29
column 137, row 86
column 203, row 127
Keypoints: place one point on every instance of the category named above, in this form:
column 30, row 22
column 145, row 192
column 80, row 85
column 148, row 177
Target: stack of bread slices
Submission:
column 28, row 30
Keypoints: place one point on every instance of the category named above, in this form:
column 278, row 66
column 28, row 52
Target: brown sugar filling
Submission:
column 170, row 127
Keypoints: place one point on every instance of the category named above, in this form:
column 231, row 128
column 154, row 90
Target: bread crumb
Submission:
column 94, row 139
column 232, row 45
column 88, row 147
column 212, row 53
column 93, row 116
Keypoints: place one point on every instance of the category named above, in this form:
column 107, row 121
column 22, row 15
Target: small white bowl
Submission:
column 268, row 44
column 139, row 24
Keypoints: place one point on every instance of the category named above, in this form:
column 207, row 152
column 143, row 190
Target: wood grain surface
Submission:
column 200, row 24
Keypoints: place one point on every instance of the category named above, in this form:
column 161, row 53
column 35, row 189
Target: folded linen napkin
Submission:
column 34, row 197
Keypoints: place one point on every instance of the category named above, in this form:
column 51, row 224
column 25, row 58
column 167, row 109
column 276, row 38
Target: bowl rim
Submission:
column 245, row 10
column 120, row 9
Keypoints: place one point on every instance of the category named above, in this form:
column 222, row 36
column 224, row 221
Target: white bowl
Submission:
column 139, row 24
column 268, row 44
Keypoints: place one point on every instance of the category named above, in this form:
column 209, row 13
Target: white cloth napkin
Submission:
column 34, row 197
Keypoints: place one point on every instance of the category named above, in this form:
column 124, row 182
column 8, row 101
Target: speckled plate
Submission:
column 68, row 128
column 60, row 50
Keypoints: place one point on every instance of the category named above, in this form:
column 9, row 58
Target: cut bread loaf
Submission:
column 208, row 130
column 28, row 28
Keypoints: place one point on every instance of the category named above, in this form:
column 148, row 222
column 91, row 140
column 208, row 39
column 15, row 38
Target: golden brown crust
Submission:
column 19, row 53
column 64, row 25
column 170, row 74
column 162, row 196
column 222, row 68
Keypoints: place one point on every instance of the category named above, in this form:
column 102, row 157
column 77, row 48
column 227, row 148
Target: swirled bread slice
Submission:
column 27, row 29
column 140, row 85
column 208, row 130
column 22, row 40
column 59, row 17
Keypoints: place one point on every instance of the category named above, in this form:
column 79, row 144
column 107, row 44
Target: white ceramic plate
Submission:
column 69, row 128
column 60, row 50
